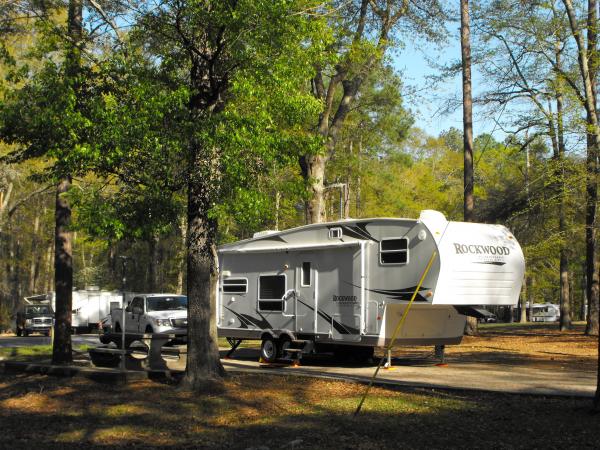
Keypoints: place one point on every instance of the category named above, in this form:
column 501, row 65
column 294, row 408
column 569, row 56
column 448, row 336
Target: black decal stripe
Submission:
column 358, row 232
column 363, row 227
column 243, row 322
column 494, row 263
column 262, row 323
column 398, row 294
column 407, row 297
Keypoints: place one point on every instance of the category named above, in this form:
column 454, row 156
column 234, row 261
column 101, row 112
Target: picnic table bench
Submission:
column 146, row 356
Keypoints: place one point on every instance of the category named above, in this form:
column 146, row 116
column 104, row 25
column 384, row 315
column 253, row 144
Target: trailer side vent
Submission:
column 393, row 251
column 235, row 285
column 271, row 289
column 335, row 233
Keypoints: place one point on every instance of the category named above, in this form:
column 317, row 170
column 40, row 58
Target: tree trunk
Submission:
column 523, row 302
column 313, row 170
column 49, row 272
column 180, row 272
column 153, row 263
column 35, row 258
column 63, row 277
column 465, row 45
column 530, row 282
column 584, row 298
column 203, row 369
column 565, row 297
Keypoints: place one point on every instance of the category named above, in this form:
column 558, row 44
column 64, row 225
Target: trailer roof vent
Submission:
column 335, row 233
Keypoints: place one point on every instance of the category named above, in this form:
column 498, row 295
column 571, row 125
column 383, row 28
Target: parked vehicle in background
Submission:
column 89, row 306
column 152, row 313
column 545, row 312
column 34, row 318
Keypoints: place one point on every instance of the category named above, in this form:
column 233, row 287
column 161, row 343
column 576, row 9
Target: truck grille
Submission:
column 42, row 321
column 179, row 323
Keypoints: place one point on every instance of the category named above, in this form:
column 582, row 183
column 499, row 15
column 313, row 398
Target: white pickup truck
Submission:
column 152, row 313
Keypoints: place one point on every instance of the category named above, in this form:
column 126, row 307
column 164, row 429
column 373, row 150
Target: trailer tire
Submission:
column 19, row 332
column 282, row 345
column 268, row 349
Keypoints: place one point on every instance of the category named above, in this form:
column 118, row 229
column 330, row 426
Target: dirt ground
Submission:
column 540, row 344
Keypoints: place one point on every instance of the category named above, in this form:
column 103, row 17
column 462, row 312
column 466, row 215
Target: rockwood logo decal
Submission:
column 473, row 249
column 345, row 299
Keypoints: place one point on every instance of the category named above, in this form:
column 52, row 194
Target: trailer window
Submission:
column 306, row 278
column 270, row 292
column 393, row 251
column 235, row 285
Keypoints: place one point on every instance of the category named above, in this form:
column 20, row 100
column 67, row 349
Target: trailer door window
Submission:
column 270, row 292
column 393, row 251
column 235, row 285
column 306, row 276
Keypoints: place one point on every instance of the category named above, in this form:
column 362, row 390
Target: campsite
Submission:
column 300, row 411
column 266, row 224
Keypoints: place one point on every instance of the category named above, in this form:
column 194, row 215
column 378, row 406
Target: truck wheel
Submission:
column 117, row 327
column 25, row 333
column 19, row 332
column 149, row 330
column 268, row 350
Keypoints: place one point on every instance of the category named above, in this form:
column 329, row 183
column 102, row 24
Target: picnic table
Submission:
column 147, row 356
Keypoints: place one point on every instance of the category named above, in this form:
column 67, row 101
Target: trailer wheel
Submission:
column 19, row 332
column 283, row 344
column 268, row 349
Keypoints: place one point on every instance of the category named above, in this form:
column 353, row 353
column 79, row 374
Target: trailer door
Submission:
column 306, row 280
column 339, row 293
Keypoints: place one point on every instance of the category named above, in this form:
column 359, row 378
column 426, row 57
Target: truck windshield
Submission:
column 37, row 310
column 166, row 303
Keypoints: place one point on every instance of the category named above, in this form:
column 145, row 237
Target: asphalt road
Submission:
column 7, row 341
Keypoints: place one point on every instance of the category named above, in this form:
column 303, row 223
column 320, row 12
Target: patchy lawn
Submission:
column 256, row 411
column 36, row 352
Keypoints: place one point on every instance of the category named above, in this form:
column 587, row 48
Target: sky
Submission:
column 426, row 99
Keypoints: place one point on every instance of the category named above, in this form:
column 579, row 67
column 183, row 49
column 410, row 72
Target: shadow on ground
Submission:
column 258, row 411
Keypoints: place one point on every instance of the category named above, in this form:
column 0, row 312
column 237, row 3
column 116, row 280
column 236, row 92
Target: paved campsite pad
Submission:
column 273, row 412
column 532, row 358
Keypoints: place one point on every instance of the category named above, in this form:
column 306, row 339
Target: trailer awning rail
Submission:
column 291, row 248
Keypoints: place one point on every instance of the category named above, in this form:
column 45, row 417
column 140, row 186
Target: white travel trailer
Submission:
column 346, row 284
column 91, row 305
column 545, row 312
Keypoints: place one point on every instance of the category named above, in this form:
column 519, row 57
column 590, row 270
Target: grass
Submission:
column 34, row 352
column 258, row 411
